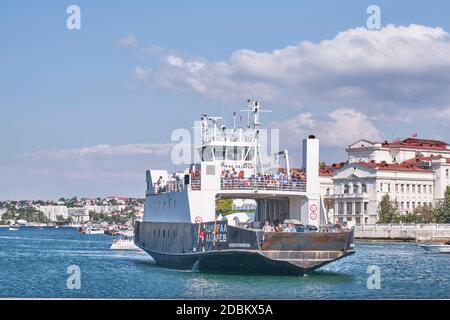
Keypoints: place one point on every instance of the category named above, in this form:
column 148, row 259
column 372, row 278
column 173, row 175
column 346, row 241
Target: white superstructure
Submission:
column 231, row 166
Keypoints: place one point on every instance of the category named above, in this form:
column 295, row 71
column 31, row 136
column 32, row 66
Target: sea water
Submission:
column 34, row 263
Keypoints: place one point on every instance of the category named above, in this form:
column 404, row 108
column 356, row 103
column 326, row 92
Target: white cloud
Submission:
column 341, row 127
column 128, row 41
column 105, row 149
column 141, row 73
column 396, row 67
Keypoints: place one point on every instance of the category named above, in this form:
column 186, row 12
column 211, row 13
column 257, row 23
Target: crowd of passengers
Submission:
column 277, row 180
column 278, row 227
column 233, row 179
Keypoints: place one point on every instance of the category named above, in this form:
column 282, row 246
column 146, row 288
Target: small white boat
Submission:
column 124, row 244
column 13, row 229
column 436, row 248
column 94, row 231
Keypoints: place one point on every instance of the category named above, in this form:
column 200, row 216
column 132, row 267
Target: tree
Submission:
column 425, row 214
column 387, row 210
column 443, row 208
column 223, row 206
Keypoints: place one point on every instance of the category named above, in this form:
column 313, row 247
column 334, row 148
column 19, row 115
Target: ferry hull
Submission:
column 237, row 262
column 277, row 253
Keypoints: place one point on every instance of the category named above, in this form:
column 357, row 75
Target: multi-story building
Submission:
column 414, row 172
column 79, row 215
column 53, row 212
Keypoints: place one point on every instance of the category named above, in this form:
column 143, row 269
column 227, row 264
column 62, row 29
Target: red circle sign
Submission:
column 313, row 212
column 198, row 219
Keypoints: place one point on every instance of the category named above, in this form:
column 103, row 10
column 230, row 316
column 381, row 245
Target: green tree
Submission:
column 387, row 210
column 224, row 206
column 443, row 208
column 425, row 214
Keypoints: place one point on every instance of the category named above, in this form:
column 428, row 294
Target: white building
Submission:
column 414, row 172
column 79, row 215
column 52, row 212
column 105, row 209
column 244, row 204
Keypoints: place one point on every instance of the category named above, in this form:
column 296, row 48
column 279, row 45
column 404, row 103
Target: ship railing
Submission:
column 196, row 184
column 170, row 186
column 263, row 184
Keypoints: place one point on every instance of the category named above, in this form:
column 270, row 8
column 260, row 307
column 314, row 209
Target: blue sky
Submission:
column 123, row 80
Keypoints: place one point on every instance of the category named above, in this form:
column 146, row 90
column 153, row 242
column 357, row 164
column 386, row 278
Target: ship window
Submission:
column 219, row 153
column 207, row 154
column 248, row 154
column 234, row 153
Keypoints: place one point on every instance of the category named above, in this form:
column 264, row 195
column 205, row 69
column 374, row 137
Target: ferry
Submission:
column 180, row 228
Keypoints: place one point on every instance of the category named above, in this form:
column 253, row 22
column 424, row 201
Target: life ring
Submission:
column 196, row 174
column 198, row 219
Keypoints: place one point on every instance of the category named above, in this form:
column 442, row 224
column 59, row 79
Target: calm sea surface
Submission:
column 33, row 263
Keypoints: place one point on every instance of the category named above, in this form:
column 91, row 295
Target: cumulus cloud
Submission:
column 395, row 67
column 341, row 127
column 128, row 41
column 105, row 149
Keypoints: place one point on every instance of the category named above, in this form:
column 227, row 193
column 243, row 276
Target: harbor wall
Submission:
column 404, row 232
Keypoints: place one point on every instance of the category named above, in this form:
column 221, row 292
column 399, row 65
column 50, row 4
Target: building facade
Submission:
column 414, row 172
column 53, row 212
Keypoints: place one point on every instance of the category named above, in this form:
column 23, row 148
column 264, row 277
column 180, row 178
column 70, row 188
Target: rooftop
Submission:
column 415, row 143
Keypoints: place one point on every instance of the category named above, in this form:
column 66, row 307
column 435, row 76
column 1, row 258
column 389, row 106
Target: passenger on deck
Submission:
column 337, row 227
column 345, row 226
column 267, row 227
column 289, row 228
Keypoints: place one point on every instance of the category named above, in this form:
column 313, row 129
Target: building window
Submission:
column 402, row 188
column 389, row 187
column 381, row 187
column 346, row 189
column 413, row 186
column 447, row 173
column 340, row 208
column 396, row 187
column 159, row 233
column 357, row 207
column 328, row 191
column 364, row 188
column 164, row 233
column 349, row 207
column 366, row 207
column 355, row 189
column 407, row 188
